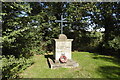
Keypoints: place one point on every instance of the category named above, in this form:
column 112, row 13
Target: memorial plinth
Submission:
column 63, row 47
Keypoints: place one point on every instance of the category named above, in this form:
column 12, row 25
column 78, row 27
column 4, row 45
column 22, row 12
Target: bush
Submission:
column 11, row 66
column 115, row 43
column 86, row 41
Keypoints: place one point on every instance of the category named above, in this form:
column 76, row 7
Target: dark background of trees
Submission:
column 29, row 28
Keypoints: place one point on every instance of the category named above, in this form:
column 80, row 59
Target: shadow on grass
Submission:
column 110, row 71
column 51, row 57
column 109, row 59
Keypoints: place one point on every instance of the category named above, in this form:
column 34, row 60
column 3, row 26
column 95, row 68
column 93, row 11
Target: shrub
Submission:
column 115, row 43
column 11, row 66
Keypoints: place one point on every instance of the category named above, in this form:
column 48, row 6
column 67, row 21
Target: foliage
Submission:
column 15, row 40
column 77, row 14
column 95, row 39
column 11, row 66
column 86, row 40
column 14, row 29
column 41, row 28
column 98, row 15
column 106, row 15
column 115, row 43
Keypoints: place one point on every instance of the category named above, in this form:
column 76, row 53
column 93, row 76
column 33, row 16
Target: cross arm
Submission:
column 59, row 21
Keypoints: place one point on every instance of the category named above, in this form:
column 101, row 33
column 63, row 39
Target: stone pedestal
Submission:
column 63, row 47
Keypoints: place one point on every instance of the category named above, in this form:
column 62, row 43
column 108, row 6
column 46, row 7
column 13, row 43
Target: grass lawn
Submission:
column 91, row 65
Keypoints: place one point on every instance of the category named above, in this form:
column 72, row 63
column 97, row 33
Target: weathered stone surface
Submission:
column 62, row 37
column 68, row 64
column 63, row 47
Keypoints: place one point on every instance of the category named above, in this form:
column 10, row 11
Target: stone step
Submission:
column 57, row 64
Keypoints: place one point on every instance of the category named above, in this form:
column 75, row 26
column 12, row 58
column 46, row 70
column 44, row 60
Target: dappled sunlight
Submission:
column 107, row 70
column 110, row 71
column 91, row 65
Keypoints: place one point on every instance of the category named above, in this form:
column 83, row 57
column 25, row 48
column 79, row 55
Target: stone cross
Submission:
column 62, row 20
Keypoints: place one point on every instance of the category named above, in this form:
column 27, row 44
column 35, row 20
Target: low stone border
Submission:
column 57, row 64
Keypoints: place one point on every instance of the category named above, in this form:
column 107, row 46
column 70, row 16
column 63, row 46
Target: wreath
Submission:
column 63, row 59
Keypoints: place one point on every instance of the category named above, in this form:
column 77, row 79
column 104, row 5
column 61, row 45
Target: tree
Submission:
column 106, row 15
column 14, row 25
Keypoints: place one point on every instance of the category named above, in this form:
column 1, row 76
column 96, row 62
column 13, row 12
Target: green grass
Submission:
column 91, row 65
